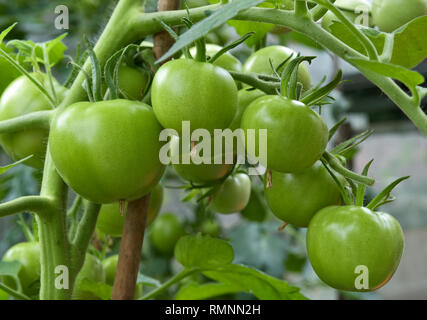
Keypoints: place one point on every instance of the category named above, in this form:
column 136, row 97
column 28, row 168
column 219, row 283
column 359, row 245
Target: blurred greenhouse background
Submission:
column 397, row 147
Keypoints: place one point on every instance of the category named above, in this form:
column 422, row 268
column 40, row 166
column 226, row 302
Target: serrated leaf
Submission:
column 197, row 251
column 410, row 45
column 215, row 19
column 196, row 291
column 263, row 286
column 408, row 77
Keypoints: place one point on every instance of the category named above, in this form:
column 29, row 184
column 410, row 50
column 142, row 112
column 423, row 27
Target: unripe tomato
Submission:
column 256, row 210
column 107, row 151
column 296, row 135
column 226, row 61
column 22, row 97
column 210, row 227
column 165, row 232
column 92, row 270
column 389, row 15
column 245, row 98
column 296, row 197
column 187, row 90
column 342, row 241
column 259, row 62
column 355, row 5
column 198, row 173
column 132, row 82
column 111, row 222
column 233, row 194
column 28, row 254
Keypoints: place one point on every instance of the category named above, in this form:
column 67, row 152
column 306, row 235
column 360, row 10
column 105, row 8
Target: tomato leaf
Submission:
column 244, row 27
column 196, row 291
column 203, row 252
column 410, row 46
column 263, row 286
column 11, row 269
column 148, row 281
column 101, row 290
column 5, row 168
column 215, row 19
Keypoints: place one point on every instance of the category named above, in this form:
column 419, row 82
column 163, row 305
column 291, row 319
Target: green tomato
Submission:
column 389, row 15
column 187, row 90
column 28, row 254
column 256, row 210
column 198, row 173
column 23, row 97
column 132, row 82
column 111, row 222
column 110, row 265
column 296, row 135
column 92, row 270
column 233, row 194
column 245, row 98
column 296, row 197
column 226, row 61
column 357, row 6
column 107, row 151
column 259, row 62
column 165, row 232
column 340, row 240
column 211, row 228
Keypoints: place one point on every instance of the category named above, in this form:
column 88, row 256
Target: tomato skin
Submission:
column 211, row 228
column 296, row 197
column 341, row 238
column 117, row 161
column 389, row 15
column 296, row 135
column 245, row 98
column 165, row 232
column 226, row 61
column 187, row 90
column 132, row 82
column 355, row 5
column 111, row 222
column 259, row 62
column 233, row 194
column 28, row 254
column 92, row 270
column 19, row 98
column 256, row 209
column 198, row 173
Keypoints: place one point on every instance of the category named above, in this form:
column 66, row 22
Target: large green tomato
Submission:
column 198, row 173
column 357, row 6
column 107, row 151
column 349, row 244
column 187, row 90
column 259, row 62
column 233, row 194
column 296, row 135
column 22, row 97
column 389, row 15
column 296, row 197
column 28, row 254
column 165, row 232
column 245, row 98
column 92, row 270
column 132, row 82
column 226, row 61
column 111, row 222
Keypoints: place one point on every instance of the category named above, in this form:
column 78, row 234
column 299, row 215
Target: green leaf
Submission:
column 195, row 291
column 244, row 27
column 101, row 290
column 263, row 286
column 5, row 168
column 147, row 281
column 408, row 77
column 215, row 19
column 4, row 33
column 197, row 251
column 11, row 269
column 410, row 45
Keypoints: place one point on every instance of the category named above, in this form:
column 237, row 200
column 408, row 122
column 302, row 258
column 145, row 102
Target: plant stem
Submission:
column 13, row 293
column 34, row 204
column 38, row 119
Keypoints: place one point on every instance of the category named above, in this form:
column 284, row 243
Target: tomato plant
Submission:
column 92, row 270
column 353, row 9
column 233, row 194
column 226, row 61
column 245, row 98
column 296, row 197
column 292, row 127
column 165, row 232
column 341, row 239
column 133, row 82
column 111, row 222
column 118, row 161
column 19, row 98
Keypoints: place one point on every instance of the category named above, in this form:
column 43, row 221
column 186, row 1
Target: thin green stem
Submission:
column 35, row 204
column 38, row 119
column 255, row 81
column 176, row 278
column 13, row 292
column 319, row 11
column 301, row 9
column 72, row 215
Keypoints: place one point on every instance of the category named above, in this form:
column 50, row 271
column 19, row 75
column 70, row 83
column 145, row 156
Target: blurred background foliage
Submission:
column 397, row 147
